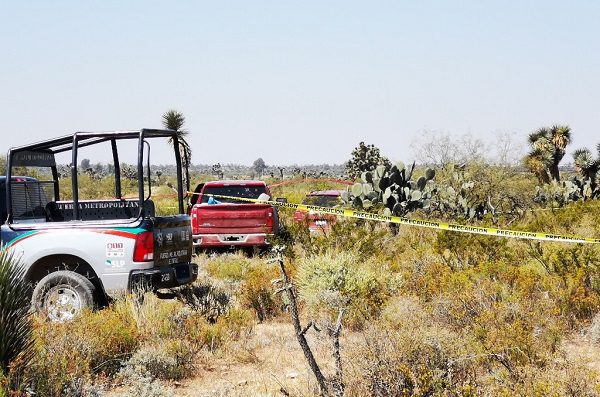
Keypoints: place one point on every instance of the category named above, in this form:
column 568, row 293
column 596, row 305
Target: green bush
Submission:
column 340, row 280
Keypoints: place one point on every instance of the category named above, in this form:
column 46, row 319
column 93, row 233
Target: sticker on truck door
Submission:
column 115, row 250
column 114, row 263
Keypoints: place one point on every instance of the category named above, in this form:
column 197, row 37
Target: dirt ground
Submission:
column 581, row 349
column 269, row 362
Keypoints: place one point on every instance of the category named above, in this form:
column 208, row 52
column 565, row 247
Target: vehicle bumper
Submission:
column 229, row 240
column 164, row 276
column 319, row 229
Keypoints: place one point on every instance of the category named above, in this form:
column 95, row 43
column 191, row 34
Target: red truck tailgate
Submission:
column 232, row 218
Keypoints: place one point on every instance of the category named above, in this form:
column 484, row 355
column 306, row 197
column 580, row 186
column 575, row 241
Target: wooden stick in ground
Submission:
column 308, row 354
column 338, row 386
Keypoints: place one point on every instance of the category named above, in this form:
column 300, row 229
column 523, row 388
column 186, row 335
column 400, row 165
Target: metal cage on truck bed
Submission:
column 30, row 200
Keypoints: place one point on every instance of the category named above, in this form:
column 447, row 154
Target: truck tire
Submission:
column 62, row 295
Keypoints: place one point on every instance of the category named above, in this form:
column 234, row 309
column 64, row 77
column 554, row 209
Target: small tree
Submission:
column 365, row 158
column 85, row 164
column 441, row 148
column 259, row 166
column 99, row 169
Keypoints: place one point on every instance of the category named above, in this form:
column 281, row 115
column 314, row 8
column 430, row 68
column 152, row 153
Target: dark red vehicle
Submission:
column 219, row 222
column 319, row 223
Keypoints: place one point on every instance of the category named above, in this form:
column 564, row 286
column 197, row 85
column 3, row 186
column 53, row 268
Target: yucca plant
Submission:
column 587, row 166
column 16, row 343
column 548, row 149
column 174, row 120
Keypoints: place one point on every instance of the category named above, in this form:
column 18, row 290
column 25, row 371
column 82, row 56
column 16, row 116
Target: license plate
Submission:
column 321, row 223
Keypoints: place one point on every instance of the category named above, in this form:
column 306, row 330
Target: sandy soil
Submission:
column 581, row 349
column 269, row 362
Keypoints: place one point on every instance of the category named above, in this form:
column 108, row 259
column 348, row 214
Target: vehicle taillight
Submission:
column 144, row 247
column 195, row 222
column 269, row 222
column 299, row 216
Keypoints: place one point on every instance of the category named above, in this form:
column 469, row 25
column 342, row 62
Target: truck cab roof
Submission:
column 234, row 183
column 333, row 193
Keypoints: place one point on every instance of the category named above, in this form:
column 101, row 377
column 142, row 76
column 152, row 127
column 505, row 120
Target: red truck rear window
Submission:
column 235, row 191
column 322, row 201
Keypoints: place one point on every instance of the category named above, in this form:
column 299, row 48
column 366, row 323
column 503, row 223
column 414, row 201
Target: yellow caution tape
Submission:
column 488, row 231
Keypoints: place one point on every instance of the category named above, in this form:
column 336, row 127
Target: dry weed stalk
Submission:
column 288, row 288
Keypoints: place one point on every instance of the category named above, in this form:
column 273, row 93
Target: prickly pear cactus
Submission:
column 392, row 188
column 559, row 194
column 458, row 199
column 393, row 191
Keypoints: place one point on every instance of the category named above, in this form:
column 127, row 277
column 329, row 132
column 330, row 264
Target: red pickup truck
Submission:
column 317, row 222
column 219, row 222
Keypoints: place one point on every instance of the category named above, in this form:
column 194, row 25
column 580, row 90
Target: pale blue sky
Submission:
column 299, row 81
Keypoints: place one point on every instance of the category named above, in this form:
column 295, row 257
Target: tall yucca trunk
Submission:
column 15, row 319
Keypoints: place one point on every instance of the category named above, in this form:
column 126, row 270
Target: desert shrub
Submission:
column 205, row 298
column 460, row 250
column 561, row 378
column 411, row 350
column 71, row 356
column 170, row 360
column 231, row 267
column 362, row 237
column 237, row 322
column 152, row 317
column 229, row 327
column 404, row 353
column 508, row 309
column 340, row 280
column 568, row 259
column 249, row 280
column 82, row 388
column 141, row 385
column 95, row 343
column 577, row 267
column 567, row 220
column 257, row 292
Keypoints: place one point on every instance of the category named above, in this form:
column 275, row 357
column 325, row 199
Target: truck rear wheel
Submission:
column 62, row 295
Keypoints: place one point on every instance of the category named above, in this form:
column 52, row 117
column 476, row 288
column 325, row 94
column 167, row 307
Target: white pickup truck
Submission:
column 80, row 253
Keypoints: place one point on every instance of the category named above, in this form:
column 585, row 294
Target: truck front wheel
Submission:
column 62, row 295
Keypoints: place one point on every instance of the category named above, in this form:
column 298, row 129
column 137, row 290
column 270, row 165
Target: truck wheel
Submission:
column 62, row 295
